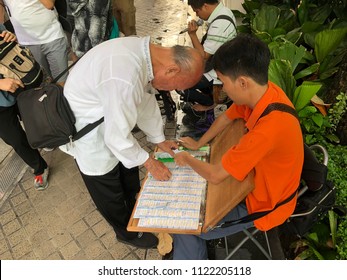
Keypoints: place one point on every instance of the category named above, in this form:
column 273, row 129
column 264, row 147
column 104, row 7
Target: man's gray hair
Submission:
column 183, row 57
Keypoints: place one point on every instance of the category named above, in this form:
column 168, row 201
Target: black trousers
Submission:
column 13, row 134
column 114, row 194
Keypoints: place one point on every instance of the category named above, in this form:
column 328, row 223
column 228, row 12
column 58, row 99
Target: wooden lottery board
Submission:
column 217, row 200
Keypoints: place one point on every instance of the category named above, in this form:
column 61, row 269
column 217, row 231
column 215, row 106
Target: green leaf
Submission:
column 333, row 226
column 304, row 93
column 288, row 51
column 311, row 27
column 320, row 14
column 307, row 71
column 318, row 119
column 267, row 18
column 303, row 11
column 333, row 138
column 328, row 73
column 280, row 73
column 327, row 41
column 294, row 35
column 307, row 111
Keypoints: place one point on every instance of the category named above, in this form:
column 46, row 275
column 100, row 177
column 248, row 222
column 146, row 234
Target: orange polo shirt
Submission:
column 273, row 147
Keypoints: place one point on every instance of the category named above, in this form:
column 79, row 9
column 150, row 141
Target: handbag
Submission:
column 47, row 117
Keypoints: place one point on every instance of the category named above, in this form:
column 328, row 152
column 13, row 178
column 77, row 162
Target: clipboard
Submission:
column 220, row 198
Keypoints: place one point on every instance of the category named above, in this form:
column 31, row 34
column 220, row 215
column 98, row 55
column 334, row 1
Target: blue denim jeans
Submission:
column 193, row 247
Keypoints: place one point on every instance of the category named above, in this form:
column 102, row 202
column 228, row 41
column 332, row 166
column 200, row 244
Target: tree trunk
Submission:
column 338, row 85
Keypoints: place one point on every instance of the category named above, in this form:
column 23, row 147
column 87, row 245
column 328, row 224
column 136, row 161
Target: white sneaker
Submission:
column 41, row 181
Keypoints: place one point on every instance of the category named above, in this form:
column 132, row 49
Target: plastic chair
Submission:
column 250, row 233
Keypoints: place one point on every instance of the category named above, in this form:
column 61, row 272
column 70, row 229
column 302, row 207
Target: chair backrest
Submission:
column 314, row 173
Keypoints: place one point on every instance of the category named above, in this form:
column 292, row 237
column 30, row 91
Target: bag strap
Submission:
column 226, row 17
column 87, row 129
column 257, row 215
column 56, row 79
column 276, row 106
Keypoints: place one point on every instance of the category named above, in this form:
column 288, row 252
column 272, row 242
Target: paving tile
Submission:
column 69, row 250
column 152, row 254
column 93, row 218
column 86, row 238
column 78, row 228
column 61, row 239
column 101, row 228
column 35, row 225
column 81, row 255
column 23, row 208
column 119, row 251
column 11, row 227
column 6, row 256
column 5, row 206
column 27, row 217
column 18, row 199
column 17, row 236
column 4, row 246
column 108, row 239
column 54, row 256
column 39, row 237
column 70, row 187
column 17, row 190
column 105, row 256
column 7, row 217
column 21, row 249
column 30, row 256
column 86, row 207
column 44, row 249
column 94, row 250
column 72, row 217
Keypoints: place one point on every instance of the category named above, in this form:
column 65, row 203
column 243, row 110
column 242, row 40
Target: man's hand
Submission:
column 11, row 85
column 189, row 143
column 168, row 146
column 8, row 36
column 158, row 170
column 192, row 27
column 181, row 158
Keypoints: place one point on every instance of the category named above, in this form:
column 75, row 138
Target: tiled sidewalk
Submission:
column 62, row 222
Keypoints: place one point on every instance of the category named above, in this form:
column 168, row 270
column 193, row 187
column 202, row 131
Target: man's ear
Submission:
column 172, row 70
column 243, row 82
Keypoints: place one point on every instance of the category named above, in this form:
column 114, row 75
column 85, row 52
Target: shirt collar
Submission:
column 148, row 58
column 260, row 107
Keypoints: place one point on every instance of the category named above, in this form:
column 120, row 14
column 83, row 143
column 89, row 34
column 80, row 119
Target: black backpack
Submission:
column 47, row 117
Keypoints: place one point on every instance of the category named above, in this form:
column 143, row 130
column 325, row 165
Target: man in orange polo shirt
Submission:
column 273, row 145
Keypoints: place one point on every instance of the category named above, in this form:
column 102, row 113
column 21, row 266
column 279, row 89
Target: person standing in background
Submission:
column 92, row 24
column 221, row 21
column 11, row 131
column 37, row 27
column 124, row 12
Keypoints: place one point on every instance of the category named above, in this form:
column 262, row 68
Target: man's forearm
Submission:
column 196, row 44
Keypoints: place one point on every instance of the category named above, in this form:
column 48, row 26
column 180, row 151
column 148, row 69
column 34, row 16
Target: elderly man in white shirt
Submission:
column 111, row 81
